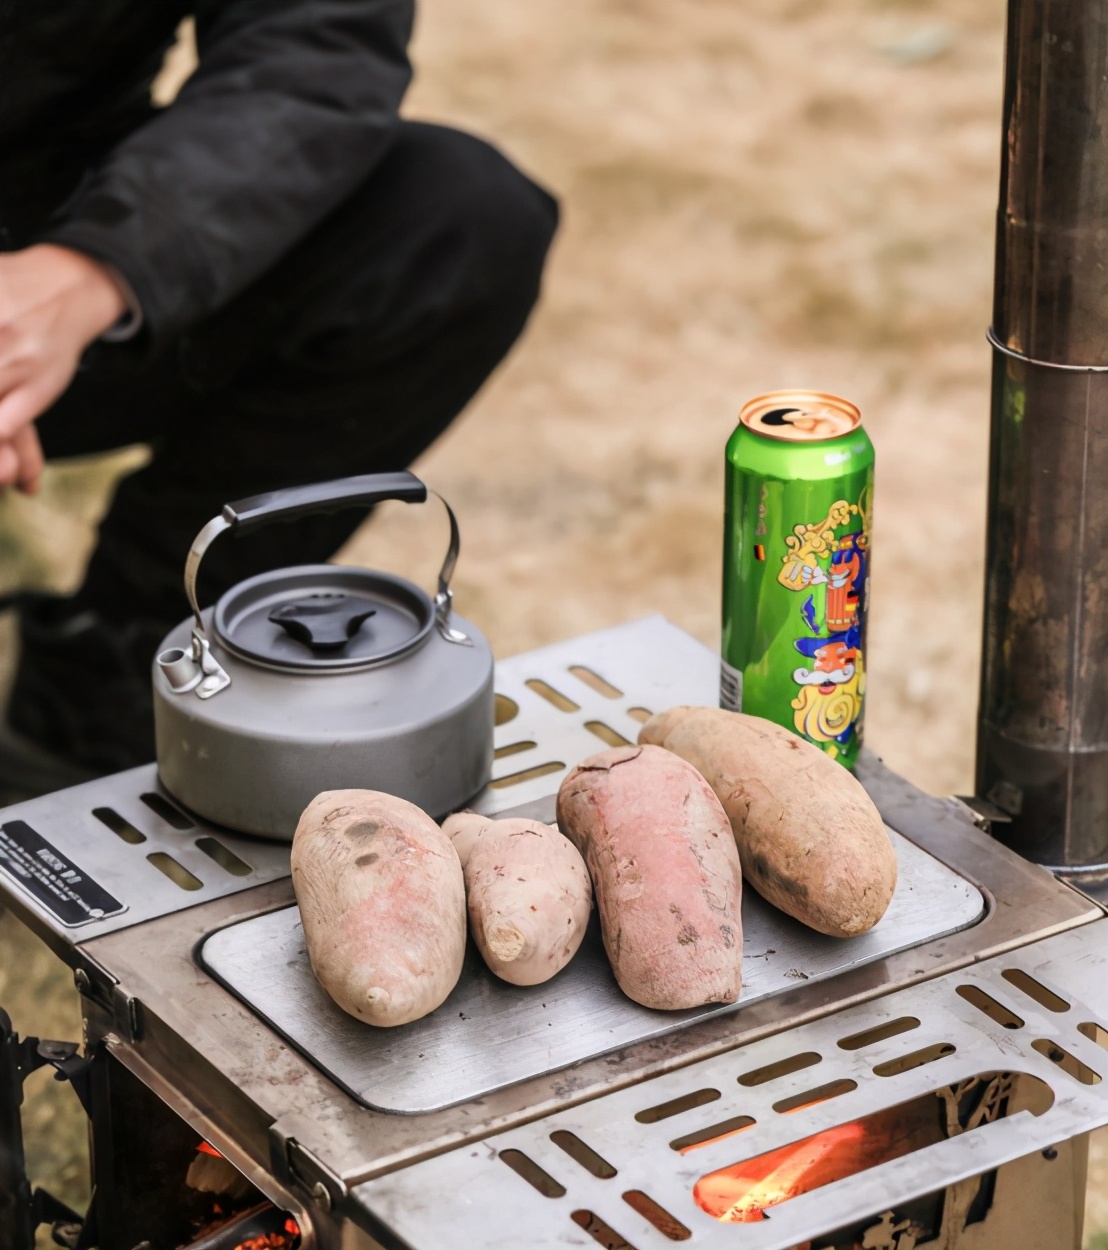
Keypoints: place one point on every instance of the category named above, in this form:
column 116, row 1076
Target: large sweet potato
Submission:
column 810, row 839
column 528, row 894
column 666, row 873
column 382, row 900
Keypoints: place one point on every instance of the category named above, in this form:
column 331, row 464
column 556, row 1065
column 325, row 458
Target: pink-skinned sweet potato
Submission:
column 810, row 839
column 382, row 901
column 666, row 873
column 528, row 894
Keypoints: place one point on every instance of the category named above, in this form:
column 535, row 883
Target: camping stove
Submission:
column 928, row 1083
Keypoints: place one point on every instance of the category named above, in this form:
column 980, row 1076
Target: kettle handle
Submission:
column 344, row 492
column 362, row 491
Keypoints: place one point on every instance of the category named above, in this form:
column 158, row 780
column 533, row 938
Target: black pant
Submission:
column 350, row 356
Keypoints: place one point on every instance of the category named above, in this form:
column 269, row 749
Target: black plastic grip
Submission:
column 343, row 492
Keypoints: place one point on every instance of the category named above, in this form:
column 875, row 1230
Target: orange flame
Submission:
column 741, row 1193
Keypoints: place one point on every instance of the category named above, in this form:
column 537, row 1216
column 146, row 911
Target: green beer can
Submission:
column 796, row 556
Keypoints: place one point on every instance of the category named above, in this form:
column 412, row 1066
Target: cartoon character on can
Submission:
column 832, row 568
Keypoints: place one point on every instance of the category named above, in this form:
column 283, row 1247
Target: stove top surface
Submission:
column 151, row 1004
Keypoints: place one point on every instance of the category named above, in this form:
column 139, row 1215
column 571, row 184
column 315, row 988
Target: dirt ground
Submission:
column 777, row 193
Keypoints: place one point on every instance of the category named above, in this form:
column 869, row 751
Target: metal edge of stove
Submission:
column 1045, row 1021
column 192, row 1026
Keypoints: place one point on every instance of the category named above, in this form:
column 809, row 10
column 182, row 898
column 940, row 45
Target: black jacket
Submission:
column 293, row 104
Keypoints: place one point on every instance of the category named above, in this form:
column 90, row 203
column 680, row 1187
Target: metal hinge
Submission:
column 299, row 1166
column 100, row 987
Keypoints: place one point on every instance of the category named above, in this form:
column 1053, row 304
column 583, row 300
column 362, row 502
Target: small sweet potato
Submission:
column 666, row 873
column 809, row 837
column 382, row 901
column 528, row 893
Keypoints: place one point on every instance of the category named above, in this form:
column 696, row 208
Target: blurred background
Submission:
column 755, row 195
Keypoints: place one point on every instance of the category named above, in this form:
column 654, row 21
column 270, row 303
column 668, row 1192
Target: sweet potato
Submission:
column 666, row 873
column 382, row 900
column 528, row 893
column 809, row 837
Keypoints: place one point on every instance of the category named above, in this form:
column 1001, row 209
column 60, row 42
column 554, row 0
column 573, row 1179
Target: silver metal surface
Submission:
column 643, row 667
column 489, row 1034
column 214, row 676
column 200, row 544
column 444, row 596
column 122, row 863
column 470, row 1197
column 444, row 605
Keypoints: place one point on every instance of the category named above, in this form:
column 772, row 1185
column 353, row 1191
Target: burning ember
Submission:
column 741, row 1193
column 261, row 1226
column 744, row 1191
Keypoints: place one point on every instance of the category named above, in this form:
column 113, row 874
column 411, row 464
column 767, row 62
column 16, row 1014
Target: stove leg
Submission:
column 23, row 1209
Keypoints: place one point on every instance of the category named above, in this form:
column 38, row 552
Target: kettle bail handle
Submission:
column 363, row 490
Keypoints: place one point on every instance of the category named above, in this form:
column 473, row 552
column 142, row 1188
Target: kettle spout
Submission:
column 197, row 669
column 180, row 669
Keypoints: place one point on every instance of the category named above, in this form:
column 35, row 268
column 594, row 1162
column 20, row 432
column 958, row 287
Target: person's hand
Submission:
column 53, row 303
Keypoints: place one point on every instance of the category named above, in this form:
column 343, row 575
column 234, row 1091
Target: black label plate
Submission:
column 52, row 878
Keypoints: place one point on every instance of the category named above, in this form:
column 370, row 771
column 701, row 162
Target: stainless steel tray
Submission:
column 489, row 1034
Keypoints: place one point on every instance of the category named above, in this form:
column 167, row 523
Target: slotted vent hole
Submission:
column 1037, row 992
column 505, row 709
column 665, row 1223
column 663, row 1111
column 1070, row 1064
column 822, row 1093
column 713, row 1133
column 532, row 1173
column 583, row 1154
column 226, row 859
column 595, row 681
column 1095, row 1033
column 177, row 873
column 600, row 1232
column 607, row 734
column 880, row 1033
column 917, row 1059
column 514, row 748
column 121, row 827
column 546, row 691
column 528, row 774
column 641, row 714
column 166, row 810
column 996, row 1012
column 794, row 1063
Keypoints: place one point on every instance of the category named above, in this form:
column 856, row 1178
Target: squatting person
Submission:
column 274, row 280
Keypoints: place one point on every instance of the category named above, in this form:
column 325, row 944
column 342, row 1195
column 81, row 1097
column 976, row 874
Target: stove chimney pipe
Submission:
column 1042, row 750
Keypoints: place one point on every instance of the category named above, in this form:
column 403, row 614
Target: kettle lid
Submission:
column 323, row 618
